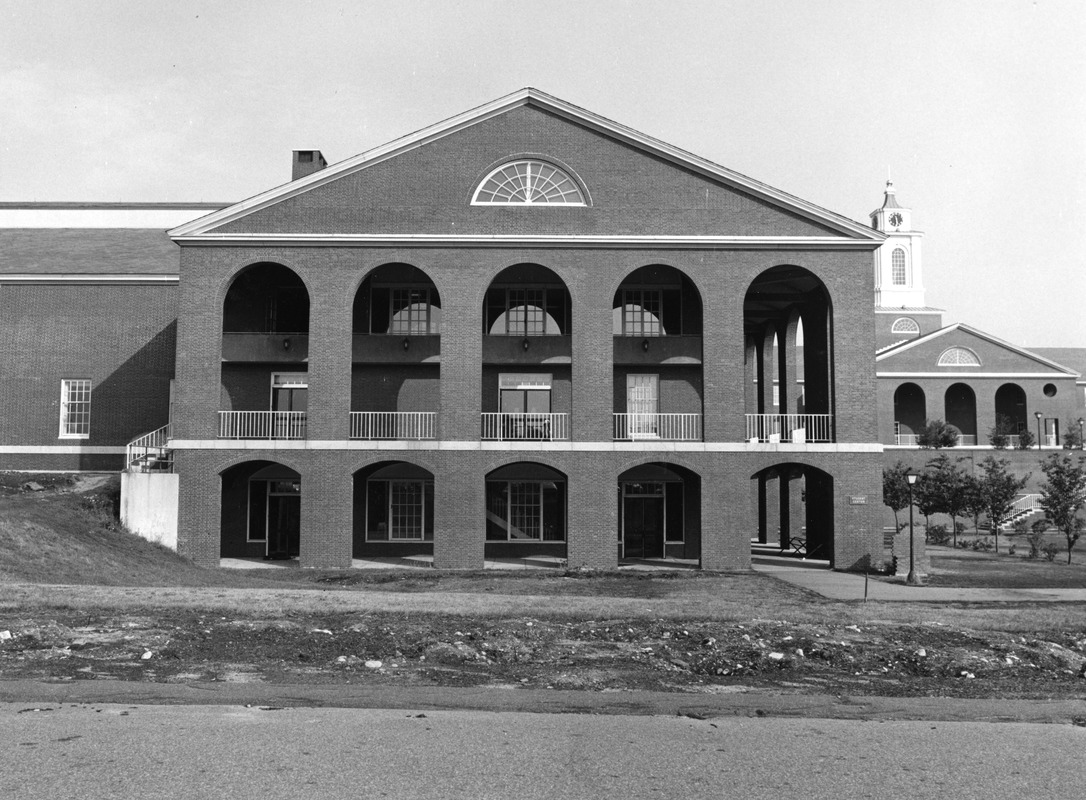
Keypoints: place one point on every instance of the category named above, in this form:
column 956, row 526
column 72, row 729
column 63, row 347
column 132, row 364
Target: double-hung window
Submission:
column 404, row 311
column 75, row 409
column 525, row 511
column 527, row 311
column 399, row 510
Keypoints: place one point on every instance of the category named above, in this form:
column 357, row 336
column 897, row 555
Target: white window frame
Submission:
column 533, row 196
column 433, row 322
column 904, row 265
column 905, row 325
column 421, row 484
column 944, row 357
column 538, row 486
column 79, row 429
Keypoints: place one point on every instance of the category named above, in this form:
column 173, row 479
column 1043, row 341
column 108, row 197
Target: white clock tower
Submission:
column 899, row 277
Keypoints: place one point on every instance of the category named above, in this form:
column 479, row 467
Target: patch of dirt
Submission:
column 384, row 648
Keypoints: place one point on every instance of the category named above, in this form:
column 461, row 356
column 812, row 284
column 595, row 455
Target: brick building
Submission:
column 524, row 332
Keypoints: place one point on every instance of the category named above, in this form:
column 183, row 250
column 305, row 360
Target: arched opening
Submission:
column 261, row 511
column 658, row 375
column 961, row 412
column 526, row 512
column 396, row 353
column 788, row 328
column 795, row 511
column 393, row 511
column 659, row 514
column 1010, row 409
column 265, row 347
column 910, row 413
column 527, row 356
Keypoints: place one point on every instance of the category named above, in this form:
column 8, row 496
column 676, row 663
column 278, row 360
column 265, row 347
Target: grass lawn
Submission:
column 984, row 570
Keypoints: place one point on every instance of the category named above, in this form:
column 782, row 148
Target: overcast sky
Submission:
column 977, row 109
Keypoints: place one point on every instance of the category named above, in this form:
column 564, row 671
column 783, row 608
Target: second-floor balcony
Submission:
column 525, row 427
column 632, row 427
column 262, row 424
column 790, row 428
column 398, row 425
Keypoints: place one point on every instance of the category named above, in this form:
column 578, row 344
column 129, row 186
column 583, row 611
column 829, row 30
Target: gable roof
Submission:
column 848, row 229
column 901, row 347
column 1075, row 356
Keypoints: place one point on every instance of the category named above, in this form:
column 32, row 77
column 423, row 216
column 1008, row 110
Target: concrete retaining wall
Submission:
column 149, row 505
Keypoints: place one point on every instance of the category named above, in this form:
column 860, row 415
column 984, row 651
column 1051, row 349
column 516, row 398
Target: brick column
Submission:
column 329, row 360
column 326, row 535
column 461, row 371
column 199, row 340
column 593, row 368
column 199, row 509
column 857, row 516
column 592, row 534
column 459, row 512
column 728, row 519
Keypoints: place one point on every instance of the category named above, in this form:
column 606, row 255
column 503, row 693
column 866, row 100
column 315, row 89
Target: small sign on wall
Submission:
column 857, row 500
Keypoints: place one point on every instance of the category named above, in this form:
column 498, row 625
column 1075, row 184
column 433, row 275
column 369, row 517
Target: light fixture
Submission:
column 645, row 345
column 286, row 344
column 912, row 579
column 525, row 344
column 406, row 344
column 1037, row 414
column 1081, row 441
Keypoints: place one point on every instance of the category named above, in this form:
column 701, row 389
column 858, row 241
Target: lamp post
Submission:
column 912, row 579
column 1081, row 441
column 1037, row 414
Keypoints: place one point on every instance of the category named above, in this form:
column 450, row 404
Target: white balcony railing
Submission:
column 664, row 427
column 907, row 439
column 393, row 424
column 527, row 427
column 967, row 440
column 794, row 428
column 150, row 452
column 262, row 424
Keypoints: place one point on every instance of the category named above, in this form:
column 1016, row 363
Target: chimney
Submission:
column 306, row 162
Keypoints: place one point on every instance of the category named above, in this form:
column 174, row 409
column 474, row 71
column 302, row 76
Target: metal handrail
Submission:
column 794, row 428
column 150, row 452
column 392, row 424
column 637, row 426
column 524, row 427
column 262, row 424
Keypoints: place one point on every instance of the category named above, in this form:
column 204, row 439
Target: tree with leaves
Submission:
column 1000, row 489
column 928, row 497
column 1072, row 439
column 895, row 490
column 937, row 434
column 973, row 501
column 948, row 485
column 1063, row 494
column 999, row 435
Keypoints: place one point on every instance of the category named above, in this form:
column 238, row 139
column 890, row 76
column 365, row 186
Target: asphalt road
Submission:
column 115, row 751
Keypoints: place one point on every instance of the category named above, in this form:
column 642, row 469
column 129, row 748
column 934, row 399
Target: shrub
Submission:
column 984, row 544
column 1050, row 551
column 1036, row 541
column 936, row 534
column 1025, row 440
column 1011, row 550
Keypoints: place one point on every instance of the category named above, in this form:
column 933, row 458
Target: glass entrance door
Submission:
column 642, row 403
column 284, row 519
column 643, row 516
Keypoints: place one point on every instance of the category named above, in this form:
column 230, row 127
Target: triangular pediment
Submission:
column 636, row 188
column 960, row 349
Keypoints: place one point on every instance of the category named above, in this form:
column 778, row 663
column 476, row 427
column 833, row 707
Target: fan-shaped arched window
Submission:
column 958, row 357
column 527, row 183
column 897, row 267
column 905, row 325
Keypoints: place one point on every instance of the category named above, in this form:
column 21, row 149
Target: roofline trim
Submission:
column 546, row 102
column 88, row 277
column 520, row 240
column 971, row 375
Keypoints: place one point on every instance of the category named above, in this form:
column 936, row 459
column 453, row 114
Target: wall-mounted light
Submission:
column 526, row 344
column 645, row 345
column 286, row 344
column 1037, row 414
column 406, row 344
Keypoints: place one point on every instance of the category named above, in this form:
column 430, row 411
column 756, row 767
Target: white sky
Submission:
column 977, row 108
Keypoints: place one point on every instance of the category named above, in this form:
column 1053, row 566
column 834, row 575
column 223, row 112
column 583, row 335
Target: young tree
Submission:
column 973, row 500
column 928, row 496
column 1072, row 439
column 999, row 436
column 895, row 490
column 1025, row 439
column 937, row 434
column 999, row 488
column 948, row 482
column 1063, row 494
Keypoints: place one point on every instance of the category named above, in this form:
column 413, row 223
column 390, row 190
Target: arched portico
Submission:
column 260, row 511
column 393, row 510
column 961, row 412
column 526, row 511
column 788, row 328
column 1010, row 407
column 910, row 413
column 659, row 513
column 796, row 509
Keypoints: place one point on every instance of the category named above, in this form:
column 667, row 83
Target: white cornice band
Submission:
column 525, row 447
column 520, row 240
column 40, row 278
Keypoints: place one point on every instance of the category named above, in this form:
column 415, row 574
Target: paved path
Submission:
column 133, row 751
column 849, row 586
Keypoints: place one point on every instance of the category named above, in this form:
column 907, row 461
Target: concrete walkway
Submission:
column 817, row 577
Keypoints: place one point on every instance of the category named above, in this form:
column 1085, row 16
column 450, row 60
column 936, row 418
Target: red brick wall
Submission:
column 121, row 337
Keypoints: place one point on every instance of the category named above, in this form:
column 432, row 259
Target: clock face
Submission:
column 895, row 219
